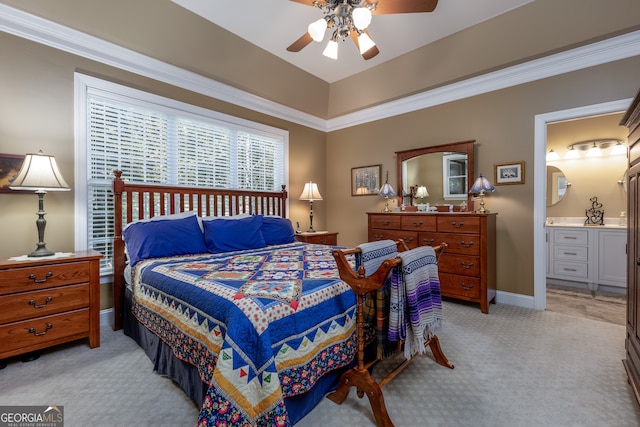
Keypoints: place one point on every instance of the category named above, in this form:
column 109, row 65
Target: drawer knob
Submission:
column 466, row 287
column 466, row 245
column 465, row 265
column 47, row 301
column 408, row 239
column 46, row 277
column 457, row 225
column 429, row 242
column 39, row 334
column 418, row 224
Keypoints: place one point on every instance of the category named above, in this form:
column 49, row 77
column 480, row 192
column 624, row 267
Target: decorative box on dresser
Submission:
column 632, row 343
column 319, row 237
column 467, row 268
column 45, row 302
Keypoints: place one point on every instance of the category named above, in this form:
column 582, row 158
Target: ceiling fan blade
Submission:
column 386, row 7
column 301, row 43
column 368, row 54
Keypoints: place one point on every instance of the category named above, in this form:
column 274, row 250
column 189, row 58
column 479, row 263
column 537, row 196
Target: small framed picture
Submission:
column 9, row 167
column 365, row 180
column 509, row 173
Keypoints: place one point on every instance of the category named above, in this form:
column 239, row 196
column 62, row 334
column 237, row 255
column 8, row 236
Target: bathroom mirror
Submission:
column 557, row 185
column 426, row 166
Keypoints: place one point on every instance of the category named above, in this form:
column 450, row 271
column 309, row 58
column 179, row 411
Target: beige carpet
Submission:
column 514, row 367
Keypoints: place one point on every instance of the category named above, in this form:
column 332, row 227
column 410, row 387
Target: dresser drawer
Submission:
column 571, row 269
column 27, row 305
column 409, row 237
column 459, row 264
column 42, row 277
column 418, row 223
column 465, row 244
column 571, row 237
column 29, row 335
column 459, row 224
column 384, row 221
column 456, row 285
column 571, row 253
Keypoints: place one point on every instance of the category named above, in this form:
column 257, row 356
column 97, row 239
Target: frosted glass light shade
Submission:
column 365, row 43
column 317, row 29
column 361, row 17
column 331, row 51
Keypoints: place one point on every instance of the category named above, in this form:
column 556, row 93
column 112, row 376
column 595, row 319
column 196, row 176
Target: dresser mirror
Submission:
column 446, row 172
column 557, row 185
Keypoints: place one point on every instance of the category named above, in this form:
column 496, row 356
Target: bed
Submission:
column 255, row 333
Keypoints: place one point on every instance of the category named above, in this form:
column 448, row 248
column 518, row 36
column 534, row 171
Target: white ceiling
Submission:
column 274, row 24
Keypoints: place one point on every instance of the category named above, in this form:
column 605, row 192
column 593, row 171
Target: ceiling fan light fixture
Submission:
column 361, row 17
column 331, row 51
column 317, row 29
column 365, row 43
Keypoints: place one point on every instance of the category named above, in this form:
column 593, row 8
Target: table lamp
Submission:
column 310, row 193
column 387, row 191
column 40, row 173
column 481, row 185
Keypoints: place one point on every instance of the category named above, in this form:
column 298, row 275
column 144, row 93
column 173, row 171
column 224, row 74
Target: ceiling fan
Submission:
column 350, row 18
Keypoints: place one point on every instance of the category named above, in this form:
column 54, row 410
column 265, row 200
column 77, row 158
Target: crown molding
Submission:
column 27, row 26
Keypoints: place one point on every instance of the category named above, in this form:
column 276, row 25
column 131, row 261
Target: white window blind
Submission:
column 167, row 142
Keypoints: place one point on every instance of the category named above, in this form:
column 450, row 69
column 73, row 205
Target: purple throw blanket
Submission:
column 415, row 302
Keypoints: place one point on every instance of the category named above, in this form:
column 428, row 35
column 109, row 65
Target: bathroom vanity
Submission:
column 592, row 257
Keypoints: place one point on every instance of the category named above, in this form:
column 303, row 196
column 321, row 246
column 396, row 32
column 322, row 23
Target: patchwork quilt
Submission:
column 260, row 325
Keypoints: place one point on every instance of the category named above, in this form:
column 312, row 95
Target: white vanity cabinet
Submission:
column 592, row 256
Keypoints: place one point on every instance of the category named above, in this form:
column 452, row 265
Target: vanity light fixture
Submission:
column 552, row 155
column 595, row 147
column 310, row 193
column 387, row 191
column 39, row 173
column 481, row 185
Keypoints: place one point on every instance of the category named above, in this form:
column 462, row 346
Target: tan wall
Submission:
column 36, row 112
column 502, row 123
column 589, row 177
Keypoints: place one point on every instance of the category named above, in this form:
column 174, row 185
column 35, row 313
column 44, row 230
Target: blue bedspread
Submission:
column 260, row 325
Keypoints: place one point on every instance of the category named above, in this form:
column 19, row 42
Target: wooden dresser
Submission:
column 49, row 302
column 467, row 268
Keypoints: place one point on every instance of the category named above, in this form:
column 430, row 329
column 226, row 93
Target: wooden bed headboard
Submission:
column 142, row 201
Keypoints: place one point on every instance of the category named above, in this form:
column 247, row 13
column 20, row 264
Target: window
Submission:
column 454, row 180
column 158, row 140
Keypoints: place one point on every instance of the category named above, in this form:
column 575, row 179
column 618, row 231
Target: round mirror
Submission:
column 557, row 185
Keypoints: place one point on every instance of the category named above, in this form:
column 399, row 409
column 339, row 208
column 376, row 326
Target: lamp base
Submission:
column 41, row 251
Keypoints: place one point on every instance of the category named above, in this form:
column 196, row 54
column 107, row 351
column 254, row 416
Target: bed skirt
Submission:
column 188, row 377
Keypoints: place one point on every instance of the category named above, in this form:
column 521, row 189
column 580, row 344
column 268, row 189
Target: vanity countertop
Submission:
column 579, row 223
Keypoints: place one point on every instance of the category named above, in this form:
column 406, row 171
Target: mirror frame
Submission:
column 465, row 147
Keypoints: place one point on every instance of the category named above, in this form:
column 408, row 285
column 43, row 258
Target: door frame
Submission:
column 540, row 184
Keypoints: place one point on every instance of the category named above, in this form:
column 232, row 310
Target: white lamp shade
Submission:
column 310, row 192
column 361, row 17
column 422, row 192
column 39, row 172
column 331, row 51
column 317, row 29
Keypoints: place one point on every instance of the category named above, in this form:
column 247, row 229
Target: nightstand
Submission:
column 319, row 237
column 45, row 302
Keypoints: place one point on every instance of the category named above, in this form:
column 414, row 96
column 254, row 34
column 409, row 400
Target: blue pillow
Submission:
column 277, row 231
column 163, row 238
column 221, row 235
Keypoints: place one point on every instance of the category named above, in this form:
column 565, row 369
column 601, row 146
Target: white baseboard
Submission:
column 106, row 317
column 518, row 300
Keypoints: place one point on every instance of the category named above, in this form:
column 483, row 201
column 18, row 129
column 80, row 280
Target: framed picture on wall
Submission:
column 9, row 167
column 509, row 173
column 365, row 180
